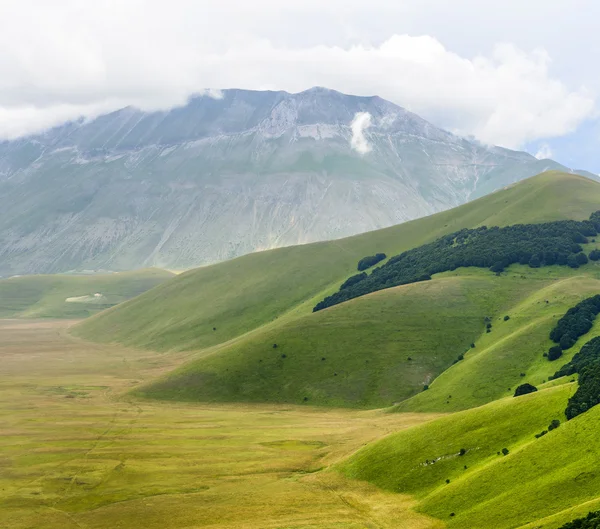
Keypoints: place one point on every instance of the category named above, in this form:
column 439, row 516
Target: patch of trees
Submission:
column 370, row 260
column 575, row 323
column 551, row 243
column 524, row 389
column 588, row 355
column 552, row 426
column 587, row 363
column 591, row 521
column 588, row 393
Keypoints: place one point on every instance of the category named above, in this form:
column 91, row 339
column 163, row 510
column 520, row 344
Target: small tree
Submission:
column 462, row 452
column 524, row 389
column 506, row 318
column 505, row 451
column 553, row 425
column 581, row 258
column 554, row 353
column 595, row 255
column 534, row 262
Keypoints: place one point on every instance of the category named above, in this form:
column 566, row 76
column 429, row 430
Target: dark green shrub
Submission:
column 581, row 258
column 553, row 425
column 524, row 389
column 506, row 318
column 462, row 452
column 554, row 353
column 369, row 261
column 505, row 451
column 594, row 255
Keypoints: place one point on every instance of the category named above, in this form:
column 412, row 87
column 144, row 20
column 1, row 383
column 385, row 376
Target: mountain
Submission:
column 251, row 318
column 222, row 177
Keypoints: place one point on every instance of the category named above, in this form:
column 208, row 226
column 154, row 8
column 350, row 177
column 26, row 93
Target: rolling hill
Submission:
column 542, row 482
column 221, row 177
column 73, row 296
column 356, row 354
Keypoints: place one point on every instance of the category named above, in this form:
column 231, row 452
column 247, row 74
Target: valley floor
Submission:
column 75, row 454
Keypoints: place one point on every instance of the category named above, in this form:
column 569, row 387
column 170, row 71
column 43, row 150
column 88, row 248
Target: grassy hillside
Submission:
column 371, row 352
column 513, row 352
column 71, row 296
column 240, row 295
column 270, row 347
column 538, row 478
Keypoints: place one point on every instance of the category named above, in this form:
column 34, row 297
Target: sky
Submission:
column 518, row 74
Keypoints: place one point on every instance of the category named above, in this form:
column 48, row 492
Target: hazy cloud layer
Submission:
column 64, row 59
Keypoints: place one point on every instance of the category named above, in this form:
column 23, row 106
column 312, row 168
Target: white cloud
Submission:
column 360, row 123
column 65, row 58
column 544, row 152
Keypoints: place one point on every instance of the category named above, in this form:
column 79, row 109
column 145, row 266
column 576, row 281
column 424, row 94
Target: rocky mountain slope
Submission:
column 221, row 177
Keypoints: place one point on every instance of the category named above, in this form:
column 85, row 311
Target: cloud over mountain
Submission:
column 63, row 60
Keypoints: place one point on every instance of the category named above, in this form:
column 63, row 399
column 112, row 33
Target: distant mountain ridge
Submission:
column 222, row 177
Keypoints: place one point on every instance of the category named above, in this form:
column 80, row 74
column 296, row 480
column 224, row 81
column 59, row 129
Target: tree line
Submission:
column 536, row 245
column 577, row 321
column 591, row 521
column 586, row 363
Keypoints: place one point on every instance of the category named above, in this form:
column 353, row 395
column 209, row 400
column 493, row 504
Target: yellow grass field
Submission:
column 76, row 454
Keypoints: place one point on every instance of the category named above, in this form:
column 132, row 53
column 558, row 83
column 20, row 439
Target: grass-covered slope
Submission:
column 370, row 352
column 73, row 296
column 538, row 477
column 240, row 295
column 385, row 347
column 512, row 353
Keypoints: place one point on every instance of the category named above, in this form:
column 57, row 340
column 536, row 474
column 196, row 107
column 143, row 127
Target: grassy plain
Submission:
column 73, row 296
column 75, row 454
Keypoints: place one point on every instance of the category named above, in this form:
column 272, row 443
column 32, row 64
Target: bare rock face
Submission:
column 219, row 178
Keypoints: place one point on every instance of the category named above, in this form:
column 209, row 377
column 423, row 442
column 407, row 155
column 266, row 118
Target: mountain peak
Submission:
column 221, row 177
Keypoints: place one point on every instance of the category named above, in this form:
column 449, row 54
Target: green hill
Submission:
column 459, row 343
column 537, row 479
column 240, row 295
column 384, row 347
column 73, row 296
column 259, row 341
